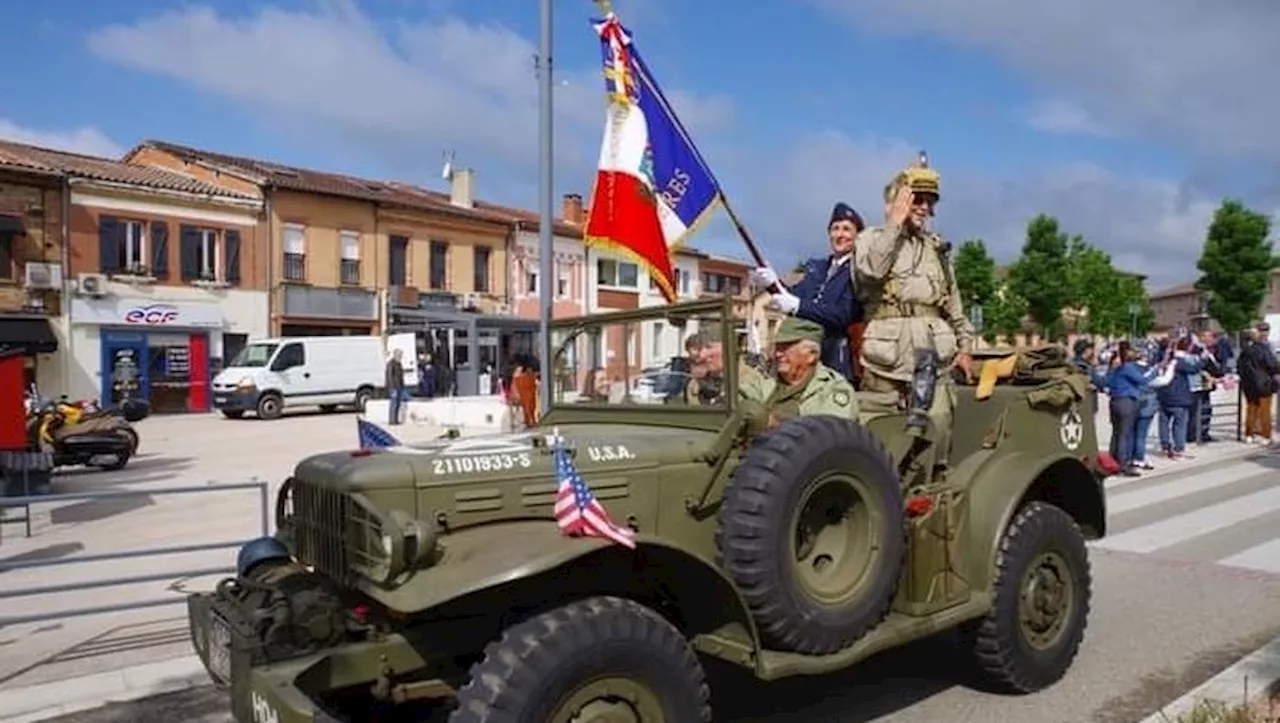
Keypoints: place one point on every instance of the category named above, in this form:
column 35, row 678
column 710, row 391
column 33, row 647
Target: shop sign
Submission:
column 152, row 315
column 143, row 314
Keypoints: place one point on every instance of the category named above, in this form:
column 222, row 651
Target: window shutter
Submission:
column 398, row 270
column 189, row 252
column 160, row 249
column 109, row 230
column 233, row 256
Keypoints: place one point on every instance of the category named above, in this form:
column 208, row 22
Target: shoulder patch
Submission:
column 841, row 397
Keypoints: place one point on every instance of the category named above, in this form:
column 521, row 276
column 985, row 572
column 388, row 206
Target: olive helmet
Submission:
column 919, row 177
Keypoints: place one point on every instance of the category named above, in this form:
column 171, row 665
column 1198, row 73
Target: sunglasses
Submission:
column 924, row 199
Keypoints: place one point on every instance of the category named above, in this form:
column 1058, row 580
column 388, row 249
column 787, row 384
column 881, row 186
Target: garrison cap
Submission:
column 845, row 212
column 792, row 330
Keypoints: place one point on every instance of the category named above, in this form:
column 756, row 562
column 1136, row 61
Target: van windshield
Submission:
column 254, row 355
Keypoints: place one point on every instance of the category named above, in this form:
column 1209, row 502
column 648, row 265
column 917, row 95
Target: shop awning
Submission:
column 12, row 224
column 28, row 334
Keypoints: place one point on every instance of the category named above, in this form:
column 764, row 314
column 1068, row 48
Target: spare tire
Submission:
column 814, row 534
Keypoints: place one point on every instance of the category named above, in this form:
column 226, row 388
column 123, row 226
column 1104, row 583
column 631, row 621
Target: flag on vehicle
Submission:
column 374, row 437
column 578, row 512
column 652, row 187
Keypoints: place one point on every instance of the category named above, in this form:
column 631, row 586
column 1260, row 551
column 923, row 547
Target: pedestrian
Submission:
column 1202, row 387
column 1258, row 369
column 1086, row 360
column 826, row 293
column 1176, row 399
column 1125, row 381
column 1148, row 407
column 427, row 381
column 395, row 386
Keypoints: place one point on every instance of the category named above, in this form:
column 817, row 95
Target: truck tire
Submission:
column 585, row 661
column 814, row 534
column 270, row 406
column 1042, row 574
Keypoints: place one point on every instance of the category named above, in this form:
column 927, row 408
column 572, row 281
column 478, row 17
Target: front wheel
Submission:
column 599, row 659
column 1031, row 635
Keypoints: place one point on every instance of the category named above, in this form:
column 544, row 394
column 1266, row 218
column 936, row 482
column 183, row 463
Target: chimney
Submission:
column 571, row 209
column 462, row 183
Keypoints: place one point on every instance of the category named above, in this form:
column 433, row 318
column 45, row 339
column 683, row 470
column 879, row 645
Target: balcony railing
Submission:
column 330, row 303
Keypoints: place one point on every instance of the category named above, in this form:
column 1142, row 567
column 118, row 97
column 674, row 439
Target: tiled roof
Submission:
column 1179, row 290
column 105, row 169
column 306, row 180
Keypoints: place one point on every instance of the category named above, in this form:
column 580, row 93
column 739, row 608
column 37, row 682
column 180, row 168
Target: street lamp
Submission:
column 1134, row 310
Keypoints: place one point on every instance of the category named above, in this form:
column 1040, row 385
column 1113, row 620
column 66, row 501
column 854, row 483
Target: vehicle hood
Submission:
column 492, row 458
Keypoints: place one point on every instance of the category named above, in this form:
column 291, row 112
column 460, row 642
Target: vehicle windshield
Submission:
column 254, row 355
column 667, row 360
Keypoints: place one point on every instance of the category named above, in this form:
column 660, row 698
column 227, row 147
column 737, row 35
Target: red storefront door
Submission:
column 198, row 400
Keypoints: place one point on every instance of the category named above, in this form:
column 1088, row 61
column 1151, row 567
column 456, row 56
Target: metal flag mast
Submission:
column 546, row 195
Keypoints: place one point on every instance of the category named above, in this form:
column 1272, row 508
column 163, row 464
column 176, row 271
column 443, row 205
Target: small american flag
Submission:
column 578, row 512
column 374, row 437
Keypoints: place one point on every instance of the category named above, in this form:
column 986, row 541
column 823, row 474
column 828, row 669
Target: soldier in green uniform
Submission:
column 801, row 384
column 706, row 385
column 905, row 279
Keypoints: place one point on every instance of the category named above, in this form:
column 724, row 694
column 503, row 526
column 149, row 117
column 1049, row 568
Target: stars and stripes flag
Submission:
column 578, row 512
column 374, row 437
column 652, row 187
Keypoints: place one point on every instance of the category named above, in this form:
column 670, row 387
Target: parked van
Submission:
column 272, row 375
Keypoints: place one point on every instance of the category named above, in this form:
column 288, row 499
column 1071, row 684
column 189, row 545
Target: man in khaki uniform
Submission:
column 801, row 384
column 706, row 384
column 906, row 282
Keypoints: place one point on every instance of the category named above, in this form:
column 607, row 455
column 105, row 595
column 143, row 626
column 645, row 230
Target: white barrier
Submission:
column 466, row 414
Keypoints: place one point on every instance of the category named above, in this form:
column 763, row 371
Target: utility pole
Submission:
column 546, row 201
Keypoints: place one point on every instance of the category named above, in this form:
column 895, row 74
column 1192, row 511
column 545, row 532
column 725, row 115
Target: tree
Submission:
column 1003, row 315
column 975, row 273
column 1235, row 265
column 1104, row 293
column 1040, row 277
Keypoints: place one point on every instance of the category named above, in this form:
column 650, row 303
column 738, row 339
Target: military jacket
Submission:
column 824, row 392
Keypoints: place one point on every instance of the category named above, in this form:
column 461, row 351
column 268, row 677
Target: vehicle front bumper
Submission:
column 235, row 400
column 284, row 691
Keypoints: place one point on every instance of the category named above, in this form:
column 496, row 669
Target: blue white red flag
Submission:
column 652, row 187
column 578, row 512
column 374, row 437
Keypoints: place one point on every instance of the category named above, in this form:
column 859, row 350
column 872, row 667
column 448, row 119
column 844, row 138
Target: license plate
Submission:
column 219, row 400
column 219, row 648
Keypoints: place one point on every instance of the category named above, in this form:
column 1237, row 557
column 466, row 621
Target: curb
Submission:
column 1258, row 670
column 1202, row 460
column 61, row 697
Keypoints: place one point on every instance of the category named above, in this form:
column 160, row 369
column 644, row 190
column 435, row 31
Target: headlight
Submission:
column 245, row 383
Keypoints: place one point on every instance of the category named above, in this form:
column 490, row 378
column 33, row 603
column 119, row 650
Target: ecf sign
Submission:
column 151, row 315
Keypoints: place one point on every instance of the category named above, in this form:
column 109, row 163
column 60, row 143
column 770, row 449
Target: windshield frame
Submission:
column 589, row 411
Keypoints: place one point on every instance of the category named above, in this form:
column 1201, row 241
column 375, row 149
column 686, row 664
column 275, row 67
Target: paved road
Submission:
column 1188, row 582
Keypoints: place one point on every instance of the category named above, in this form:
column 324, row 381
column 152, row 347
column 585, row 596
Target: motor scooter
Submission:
column 95, row 442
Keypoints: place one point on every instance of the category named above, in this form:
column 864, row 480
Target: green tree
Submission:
column 1235, row 265
column 1041, row 275
column 1003, row 315
column 975, row 273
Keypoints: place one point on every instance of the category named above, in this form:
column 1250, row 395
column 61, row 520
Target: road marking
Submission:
column 1127, row 500
column 1263, row 558
column 1173, row 530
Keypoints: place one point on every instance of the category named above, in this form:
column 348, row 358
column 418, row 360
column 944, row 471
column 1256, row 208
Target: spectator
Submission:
column 1177, row 399
column 1125, row 381
column 1258, row 370
column 395, row 386
column 1148, row 406
column 1202, row 389
column 426, row 376
column 1086, row 360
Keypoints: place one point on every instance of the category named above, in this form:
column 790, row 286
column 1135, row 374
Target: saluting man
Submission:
column 826, row 294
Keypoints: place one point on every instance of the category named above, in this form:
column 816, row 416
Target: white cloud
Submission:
column 400, row 97
column 1063, row 118
column 86, row 140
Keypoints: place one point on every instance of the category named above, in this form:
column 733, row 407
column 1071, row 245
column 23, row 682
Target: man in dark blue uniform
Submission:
column 825, row 295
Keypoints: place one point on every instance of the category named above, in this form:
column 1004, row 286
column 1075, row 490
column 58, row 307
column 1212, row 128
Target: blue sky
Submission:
column 1112, row 125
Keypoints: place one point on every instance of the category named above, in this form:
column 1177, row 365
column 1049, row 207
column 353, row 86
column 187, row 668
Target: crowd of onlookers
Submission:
column 1168, row 382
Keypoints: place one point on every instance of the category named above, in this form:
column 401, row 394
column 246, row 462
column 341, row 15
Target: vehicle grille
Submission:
column 331, row 531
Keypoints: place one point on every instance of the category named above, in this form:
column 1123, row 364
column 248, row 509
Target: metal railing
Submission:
column 265, row 521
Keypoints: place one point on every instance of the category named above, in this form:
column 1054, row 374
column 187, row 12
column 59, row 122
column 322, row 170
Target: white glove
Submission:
column 764, row 277
column 786, row 302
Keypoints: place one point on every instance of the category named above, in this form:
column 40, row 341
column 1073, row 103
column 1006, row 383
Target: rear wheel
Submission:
column 363, row 395
column 1031, row 635
column 132, row 435
column 603, row 659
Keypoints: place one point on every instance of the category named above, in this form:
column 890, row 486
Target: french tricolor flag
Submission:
column 652, row 187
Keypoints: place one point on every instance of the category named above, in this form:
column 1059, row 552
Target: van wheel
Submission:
column 1029, row 638
column 270, row 406
column 363, row 395
column 599, row 659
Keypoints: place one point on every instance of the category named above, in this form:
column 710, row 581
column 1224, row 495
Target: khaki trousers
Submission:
column 1257, row 417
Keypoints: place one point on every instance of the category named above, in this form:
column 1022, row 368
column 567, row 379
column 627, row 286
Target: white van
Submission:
column 271, row 375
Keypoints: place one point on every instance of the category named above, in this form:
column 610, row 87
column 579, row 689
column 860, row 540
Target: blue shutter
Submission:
column 110, row 232
column 233, row 256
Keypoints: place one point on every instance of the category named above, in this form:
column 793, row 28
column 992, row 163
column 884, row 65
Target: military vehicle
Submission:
column 435, row 576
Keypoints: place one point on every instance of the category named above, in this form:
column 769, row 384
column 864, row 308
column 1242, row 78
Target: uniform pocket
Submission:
column 882, row 342
column 944, row 340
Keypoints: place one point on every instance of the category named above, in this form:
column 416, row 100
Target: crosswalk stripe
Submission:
column 1180, row 528
column 1126, row 500
column 1263, row 558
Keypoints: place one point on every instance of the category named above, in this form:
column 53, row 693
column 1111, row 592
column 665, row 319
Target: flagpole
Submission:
column 546, row 244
